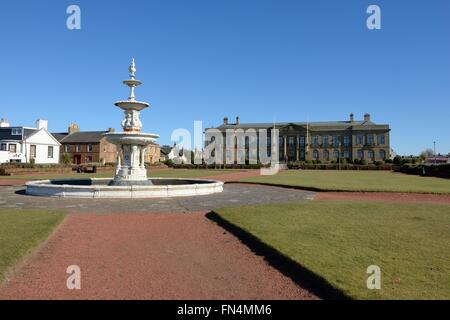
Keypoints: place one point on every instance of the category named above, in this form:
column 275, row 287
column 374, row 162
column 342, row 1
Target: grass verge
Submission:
column 21, row 231
column 333, row 180
column 337, row 241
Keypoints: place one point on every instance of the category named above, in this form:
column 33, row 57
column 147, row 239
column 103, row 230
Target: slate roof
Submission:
column 80, row 137
column 323, row 124
column 5, row 133
column 165, row 150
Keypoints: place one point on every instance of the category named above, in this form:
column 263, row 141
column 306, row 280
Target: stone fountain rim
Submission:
column 46, row 188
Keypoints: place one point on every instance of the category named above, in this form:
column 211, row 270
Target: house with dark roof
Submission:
column 324, row 141
column 26, row 144
column 84, row 147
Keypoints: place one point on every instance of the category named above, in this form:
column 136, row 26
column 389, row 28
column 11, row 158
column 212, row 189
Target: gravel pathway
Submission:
column 148, row 256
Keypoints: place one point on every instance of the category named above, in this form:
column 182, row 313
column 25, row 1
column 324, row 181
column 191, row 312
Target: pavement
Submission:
column 233, row 195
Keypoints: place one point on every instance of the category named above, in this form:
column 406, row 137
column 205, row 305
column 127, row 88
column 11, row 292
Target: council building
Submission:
column 325, row 141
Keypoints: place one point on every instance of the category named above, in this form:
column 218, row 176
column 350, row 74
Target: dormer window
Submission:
column 16, row 131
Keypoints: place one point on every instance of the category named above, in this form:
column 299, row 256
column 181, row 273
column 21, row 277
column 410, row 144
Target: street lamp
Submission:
column 434, row 151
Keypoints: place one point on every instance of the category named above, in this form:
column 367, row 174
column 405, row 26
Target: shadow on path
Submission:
column 288, row 267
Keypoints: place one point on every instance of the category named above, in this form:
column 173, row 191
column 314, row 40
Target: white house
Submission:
column 21, row 144
column 174, row 154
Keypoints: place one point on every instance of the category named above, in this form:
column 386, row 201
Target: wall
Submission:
column 42, row 140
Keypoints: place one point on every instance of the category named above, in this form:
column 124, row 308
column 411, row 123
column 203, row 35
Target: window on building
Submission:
column 346, row 141
column 3, row 147
column 325, row 142
column 360, row 154
column 382, row 154
column 269, row 141
column 302, row 155
column 336, row 155
column 13, row 148
column 315, row 141
column 33, row 151
column 291, row 141
column 326, row 155
column 346, row 154
column 50, row 152
column 336, row 141
column 360, row 139
column 316, row 155
column 90, row 148
column 370, row 154
column 381, row 139
column 67, row 147
column 16, row 131
column 88, row 159
column 78, row 148
column 281, row 142
column 370, row 139
column 302, row 140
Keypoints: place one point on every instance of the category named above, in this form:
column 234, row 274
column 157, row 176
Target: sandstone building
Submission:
column 324, row 141
column 83, row 147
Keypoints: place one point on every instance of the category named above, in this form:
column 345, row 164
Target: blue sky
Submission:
column 206, row 59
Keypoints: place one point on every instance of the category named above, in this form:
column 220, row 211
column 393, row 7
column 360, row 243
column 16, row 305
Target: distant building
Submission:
column 26, row 144
column 322, row 141
column 173, row 154
column 438, row 159
column 84, row 147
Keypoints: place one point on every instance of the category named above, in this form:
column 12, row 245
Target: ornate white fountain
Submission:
column 130, row 180
column 132, row 143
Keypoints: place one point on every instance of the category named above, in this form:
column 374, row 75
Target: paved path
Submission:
column 148, row 256
column 385, row 197
column 234, row 194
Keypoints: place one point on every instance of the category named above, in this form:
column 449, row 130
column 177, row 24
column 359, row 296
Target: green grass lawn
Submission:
column 349, row 180
column 182, row 173
column 21, row 231
column 339, row 240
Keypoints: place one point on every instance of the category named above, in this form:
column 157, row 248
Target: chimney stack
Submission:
column 73, row 128
column 238, row 120
column 352, row 117
column 41, row 124
column 111, row 130
column 4, row 123
column 367, row 117
column 225, row 120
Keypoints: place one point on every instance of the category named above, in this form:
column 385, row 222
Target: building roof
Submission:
column 5, row 133
column 80, row 137
column 316, row 125
column 165, row 150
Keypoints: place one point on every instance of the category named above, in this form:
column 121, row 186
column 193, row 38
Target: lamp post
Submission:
column 434, row 151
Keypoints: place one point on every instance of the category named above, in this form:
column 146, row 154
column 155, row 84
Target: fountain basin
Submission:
column 99, row 188
column 131, row 138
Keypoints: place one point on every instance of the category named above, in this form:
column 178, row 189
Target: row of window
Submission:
column 78, row 148
column 33, row 151
column 346, row 154
column 12, row 147
column 335, row 140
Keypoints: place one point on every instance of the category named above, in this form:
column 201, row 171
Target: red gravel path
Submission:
column 147, row 256
column 384, row 197
column 12, row 182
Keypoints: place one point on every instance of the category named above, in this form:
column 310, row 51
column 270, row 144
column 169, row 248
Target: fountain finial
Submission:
column 132, row 69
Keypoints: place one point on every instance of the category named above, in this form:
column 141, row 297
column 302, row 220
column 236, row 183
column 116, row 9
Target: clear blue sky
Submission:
column 206, row 59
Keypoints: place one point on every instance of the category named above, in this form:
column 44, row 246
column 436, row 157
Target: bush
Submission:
column 66, row 158
column 3, row 172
